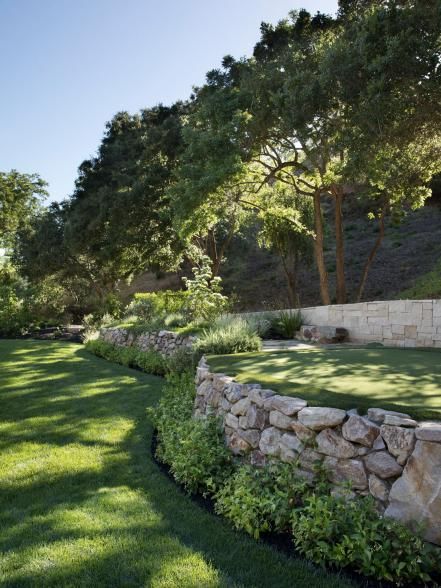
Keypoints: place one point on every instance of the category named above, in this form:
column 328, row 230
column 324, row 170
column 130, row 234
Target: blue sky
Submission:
column 68, row 66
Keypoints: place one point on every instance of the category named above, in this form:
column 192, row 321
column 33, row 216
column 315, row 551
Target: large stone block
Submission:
column 292, row 442
column 429, row 431
column 415, row 498
column 382, row 464
column 285, row 404
column 318, row 418
column 378, row 414
column 360, row 430
column 341, row 471
column 399, row 440
column 270, row 441
column 241, row 407
column 331, row 443
column 257, row 418
column 280, row 420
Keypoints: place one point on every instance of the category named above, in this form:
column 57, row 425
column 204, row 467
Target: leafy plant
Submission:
column 183, row 360
column 205, row 298
column 194, row 449
column 261, row 499
column 150, row 362
column 228, row 335
column 351, row 533
column 287, row 323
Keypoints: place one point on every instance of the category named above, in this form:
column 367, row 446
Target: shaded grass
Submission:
column 83, row 504
column 397, row 379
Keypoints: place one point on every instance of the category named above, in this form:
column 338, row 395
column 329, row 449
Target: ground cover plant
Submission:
column 277, row 497
column 402, row 379
column 82, row 503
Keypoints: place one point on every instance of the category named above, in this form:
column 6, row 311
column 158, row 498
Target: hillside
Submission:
column 407, row 264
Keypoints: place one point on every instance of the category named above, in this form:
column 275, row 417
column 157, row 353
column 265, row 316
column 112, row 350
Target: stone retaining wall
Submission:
column 399, row 323
column 165, row 342
column 384, row 453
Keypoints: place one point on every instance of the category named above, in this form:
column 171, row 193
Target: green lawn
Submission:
column 83, row 504
column 400, row 379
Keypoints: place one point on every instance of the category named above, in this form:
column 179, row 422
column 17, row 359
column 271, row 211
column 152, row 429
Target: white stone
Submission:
column 287, row 405
column 382, row 464
column 319, row 418
column 280, row 420
column 397, row 421
column 341, row 471
column 399, row 440
column 429, row 431
column 292, row 442
column 415, row 498
column 270, row 441
column 241, row 407
column 378, row 414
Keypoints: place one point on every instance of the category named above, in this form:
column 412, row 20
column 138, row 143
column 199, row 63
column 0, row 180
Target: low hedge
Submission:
column 150, row 362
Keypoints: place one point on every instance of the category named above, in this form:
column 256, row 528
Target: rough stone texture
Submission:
column 416, row 496
column 400, row 441
column 341, row 471
column 382, row 464
column 241, row 407
column 331, row 443
column 378, row 488
column 292, row 442
column 237, row 445
column 270, row 441
column 251, row 436
column 319, row 418
column 234, row 392
column 429, row 431
column 166, row 342
column 286, row 405
column 261, row 426
column 257, row 418
column 397, row 421
column 379, row 444
column 360, row 430
column 259, row 396
column 309, row 459
column 278, row 419
column 231, row 421
column 378, row 414
column 302, row 432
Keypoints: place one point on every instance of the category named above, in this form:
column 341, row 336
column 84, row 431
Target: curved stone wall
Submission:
column 383, row 453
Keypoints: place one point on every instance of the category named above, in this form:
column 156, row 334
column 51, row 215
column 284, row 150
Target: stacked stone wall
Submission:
column 164, row 342
column 398, row 323
column 386, row 454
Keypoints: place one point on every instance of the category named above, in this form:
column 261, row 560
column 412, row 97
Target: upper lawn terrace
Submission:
column 407, row 380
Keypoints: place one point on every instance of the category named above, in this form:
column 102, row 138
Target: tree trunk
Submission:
column 371, row 256
column 318, row 250
column 339, row 248
column 290, row 270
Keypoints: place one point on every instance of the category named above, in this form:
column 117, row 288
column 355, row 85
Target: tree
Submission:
column 20, row 196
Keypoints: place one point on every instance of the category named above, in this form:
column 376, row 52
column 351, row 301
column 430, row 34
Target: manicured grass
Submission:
column 83, row 504
column 400, row 379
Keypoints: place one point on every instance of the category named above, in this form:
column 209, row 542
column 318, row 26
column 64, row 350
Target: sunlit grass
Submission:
column 401, row 379
column 83, row 504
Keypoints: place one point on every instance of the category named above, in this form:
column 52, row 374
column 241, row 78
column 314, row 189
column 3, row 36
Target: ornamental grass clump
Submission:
column 228, row 335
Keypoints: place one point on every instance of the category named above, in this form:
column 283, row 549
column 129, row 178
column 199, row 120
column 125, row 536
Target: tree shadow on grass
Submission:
column 404, row 379
column 117, row 521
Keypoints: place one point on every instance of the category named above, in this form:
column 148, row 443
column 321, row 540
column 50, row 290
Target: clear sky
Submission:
column 67, row 66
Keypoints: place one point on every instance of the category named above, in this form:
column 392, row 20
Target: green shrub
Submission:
column 261, row 499
column 194, row 449
column 228, row 335
column 182, row 360
column 286, row 323
column 150, row 362
column 351, row 533
column 147, row 305
column 205, row 299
